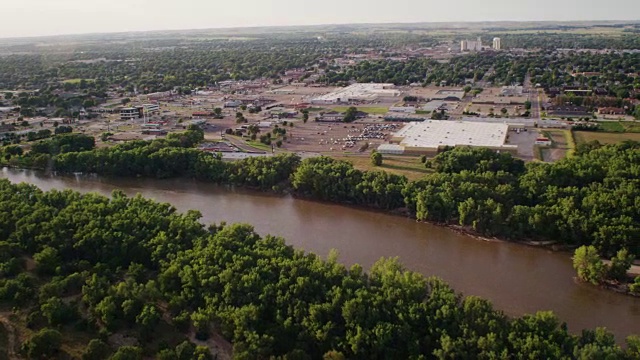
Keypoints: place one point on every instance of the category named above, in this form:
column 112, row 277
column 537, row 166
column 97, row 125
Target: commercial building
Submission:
column 357, row 93
column 516, row 90
column 430, row 136
column 497, row 44
column 403, row 109
column 435, row 105
column 332, row 116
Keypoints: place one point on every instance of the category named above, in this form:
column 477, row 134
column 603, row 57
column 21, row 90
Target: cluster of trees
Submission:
column 136, row 267
column 591, row 268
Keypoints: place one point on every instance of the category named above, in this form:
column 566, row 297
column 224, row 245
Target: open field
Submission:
column 605, row 138
column 75, row 81
column 563, row 145
column 409, row 166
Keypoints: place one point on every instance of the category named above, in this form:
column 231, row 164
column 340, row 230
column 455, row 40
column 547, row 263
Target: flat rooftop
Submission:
column 360, row 91
column 436, row 133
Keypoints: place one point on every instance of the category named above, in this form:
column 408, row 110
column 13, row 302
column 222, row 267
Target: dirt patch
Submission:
column 8, row 344
column 219, row 347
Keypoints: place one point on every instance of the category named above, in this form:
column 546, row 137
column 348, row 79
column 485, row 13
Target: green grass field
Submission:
column 631, row 126
column 611, row 126
column 369, row 110
column 76, row 81
column 604, row 137
column 409, row 166
column 620, row 126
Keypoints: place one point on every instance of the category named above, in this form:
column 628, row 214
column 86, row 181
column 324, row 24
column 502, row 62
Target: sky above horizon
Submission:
column 54, row 17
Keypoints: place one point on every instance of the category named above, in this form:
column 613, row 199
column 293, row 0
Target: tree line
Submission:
column 587, row 199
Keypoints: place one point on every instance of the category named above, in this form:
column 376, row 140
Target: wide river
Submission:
column 517, row 279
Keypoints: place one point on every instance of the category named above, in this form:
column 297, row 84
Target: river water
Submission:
column 517, row 279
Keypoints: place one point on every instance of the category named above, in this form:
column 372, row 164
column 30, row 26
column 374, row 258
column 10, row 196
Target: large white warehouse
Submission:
column 357, row 92
column 430, row 136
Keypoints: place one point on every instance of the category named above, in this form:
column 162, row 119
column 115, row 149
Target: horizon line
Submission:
column 108, row 32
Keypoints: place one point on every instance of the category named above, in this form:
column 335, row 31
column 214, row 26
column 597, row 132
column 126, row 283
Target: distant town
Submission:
column 533, row 112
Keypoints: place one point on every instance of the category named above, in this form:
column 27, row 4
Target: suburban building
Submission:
column 151, row 108
column 568, row 111
column 429, row 137
column 129, row 113
column 611, row 111
column 543, row 141
column 232, row 104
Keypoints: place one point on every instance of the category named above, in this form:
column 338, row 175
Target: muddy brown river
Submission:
column 517, row 279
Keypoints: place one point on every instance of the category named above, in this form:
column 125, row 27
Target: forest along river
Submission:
column 516, row 278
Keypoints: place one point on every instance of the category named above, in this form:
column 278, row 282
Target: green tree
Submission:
column 47, row 261
column 350, row 115
column 96, row 350
column 148, row 319
column 376, row 158
column 44, row 344
column 620, row 264
column 635, row 287
column 527, row 105
column 127, row 353
column 57, row 312
column 589, row 265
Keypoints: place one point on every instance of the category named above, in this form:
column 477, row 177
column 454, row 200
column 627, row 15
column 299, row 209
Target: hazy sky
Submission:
column 50, row 17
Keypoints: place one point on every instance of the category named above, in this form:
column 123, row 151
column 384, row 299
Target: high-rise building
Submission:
column 496, row 44
column 471, row 45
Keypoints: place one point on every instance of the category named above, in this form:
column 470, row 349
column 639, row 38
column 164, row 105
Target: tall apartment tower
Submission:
column 464, row 45
column 496, row 44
